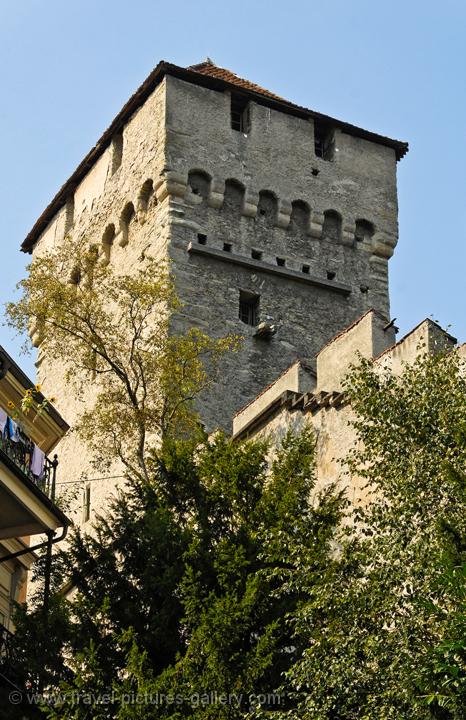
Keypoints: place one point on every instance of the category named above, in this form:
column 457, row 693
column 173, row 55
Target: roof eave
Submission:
column 142, row 93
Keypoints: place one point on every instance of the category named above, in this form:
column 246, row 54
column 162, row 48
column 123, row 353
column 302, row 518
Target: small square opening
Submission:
column 306, row 269
column 331, row 275
column 256, row 254
column 227, row 247
column 248, row 307
column 281, row 262
column 202, row 239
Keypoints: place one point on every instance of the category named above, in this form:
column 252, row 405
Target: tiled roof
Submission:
column 209, row 68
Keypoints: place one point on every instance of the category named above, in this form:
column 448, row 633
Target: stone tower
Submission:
column 278, row 221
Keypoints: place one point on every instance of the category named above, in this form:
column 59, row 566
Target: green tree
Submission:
column 114, row 330
column 386, row 635
column 177, row 593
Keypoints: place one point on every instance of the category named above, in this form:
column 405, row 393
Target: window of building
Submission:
column 256, row 254
column 227, row 247
column 281, row 262
column 331, row 274
column 331, row 229
column 202, row 239
column 364, row 231
column 240, row 115
column 117, row 152
column 87, row 503
column 248, row 307
column 324, row 141
column 306, row 269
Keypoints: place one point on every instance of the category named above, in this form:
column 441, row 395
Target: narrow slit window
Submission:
column 239, row 113
column 87, row 503
column 249, row 307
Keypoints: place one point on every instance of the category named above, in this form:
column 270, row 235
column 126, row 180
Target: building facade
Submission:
column 27, row 494
column 277, row 223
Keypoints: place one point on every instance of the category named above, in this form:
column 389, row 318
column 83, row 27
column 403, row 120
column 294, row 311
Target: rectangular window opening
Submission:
column 239, row 113
column 306, row 269
column 87, row 503
column 227, row 247
column 202, row 239
column 249, row 307
column 256, row 254
column 281, row 262
column 324, row 141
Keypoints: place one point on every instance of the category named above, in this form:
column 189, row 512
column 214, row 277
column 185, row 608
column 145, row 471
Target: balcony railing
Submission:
column 7, row 653
column 27, row 458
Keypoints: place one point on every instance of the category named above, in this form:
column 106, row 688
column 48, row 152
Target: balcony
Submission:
column 30, row 461
column 7, row 655
column 27, row 486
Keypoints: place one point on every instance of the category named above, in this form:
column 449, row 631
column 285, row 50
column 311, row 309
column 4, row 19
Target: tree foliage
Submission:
column 386, row 638
column 177, row 593
column 112, row 330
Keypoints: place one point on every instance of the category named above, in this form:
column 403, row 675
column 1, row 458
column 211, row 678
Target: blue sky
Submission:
column 396, row 68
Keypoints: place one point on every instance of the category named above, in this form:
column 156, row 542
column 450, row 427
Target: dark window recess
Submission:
column 227, row 247
column 281, row 262
column 331, row 275
column 364, row 289
column 256, row 254
column 248, row 307
column 240, row 116
column 305, row 269
column 87, row 503
column 202, row 239
column 324, row 141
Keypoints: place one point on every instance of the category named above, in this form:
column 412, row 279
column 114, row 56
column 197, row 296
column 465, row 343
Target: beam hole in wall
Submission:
column 315, row 171
column 249, row 307
column 364, row 289
column 281, row 262
column 227, row 247
column 306, row 269
column 202, row 239
column 256, row 254
column 331, row 274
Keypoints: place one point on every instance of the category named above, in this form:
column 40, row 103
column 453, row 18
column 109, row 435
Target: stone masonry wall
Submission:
column 268, row 192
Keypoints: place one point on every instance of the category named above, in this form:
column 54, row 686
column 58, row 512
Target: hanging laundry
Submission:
column 37, row 462
column 3, row 420
column 13, row 430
